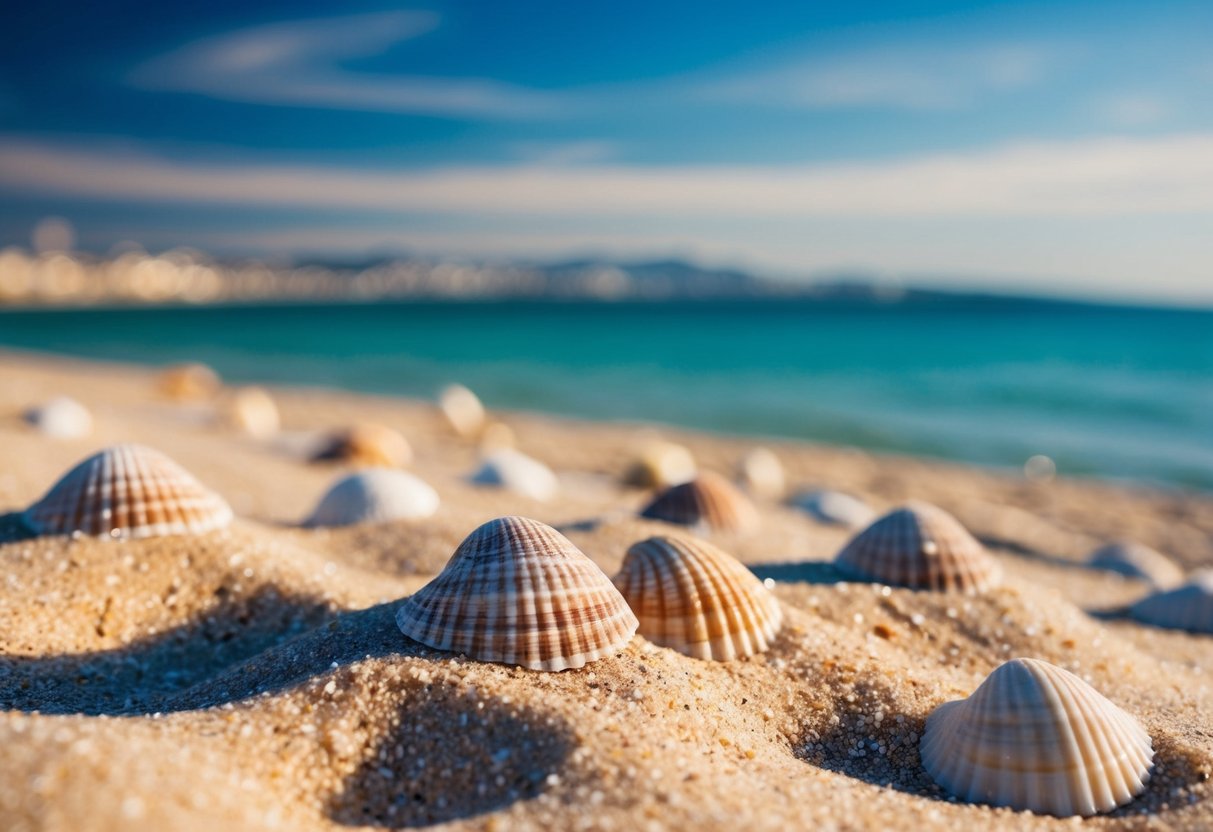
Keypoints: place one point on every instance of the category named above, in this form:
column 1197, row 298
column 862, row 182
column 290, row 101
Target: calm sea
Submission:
column 1113, row 392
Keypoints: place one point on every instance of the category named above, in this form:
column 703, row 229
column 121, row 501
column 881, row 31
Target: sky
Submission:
column 1059, row 147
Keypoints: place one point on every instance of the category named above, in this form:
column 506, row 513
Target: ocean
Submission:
column 1116, row 392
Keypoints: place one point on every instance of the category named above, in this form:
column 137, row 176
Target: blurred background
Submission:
column 974, row 231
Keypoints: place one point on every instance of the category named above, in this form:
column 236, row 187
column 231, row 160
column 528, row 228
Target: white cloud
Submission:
column 1132, row 109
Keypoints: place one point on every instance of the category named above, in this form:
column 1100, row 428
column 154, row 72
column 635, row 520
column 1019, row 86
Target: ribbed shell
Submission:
column 920, row 546
column 128, row 491
column 708, row 501
column 1188, row 607
column 514, row 470
column 835, row 508
column 691, row 597
column 1134, row 560
column 376, row 495
column 518, row 592
column 1034, row 736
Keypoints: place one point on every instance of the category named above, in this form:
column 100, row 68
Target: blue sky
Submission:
column 1057, row 147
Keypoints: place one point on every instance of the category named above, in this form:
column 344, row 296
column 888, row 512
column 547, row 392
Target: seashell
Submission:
column 1036, row 737
column 516, row 591
column 189, row 382
column 761, row 473
column 708, row 501
column 128, row 491
column 514, row 470
column 61, row 418
column 462, row 409
column 376, row 495
column 660, row 464
column 251, row 410
column 495, row 436
column 1133, row 560
column 366, row 444
column 921, row 546
column 1188, row 607
column 691, row 597
column 835, row 508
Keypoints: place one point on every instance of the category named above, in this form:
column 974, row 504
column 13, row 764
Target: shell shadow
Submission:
column 803, row 572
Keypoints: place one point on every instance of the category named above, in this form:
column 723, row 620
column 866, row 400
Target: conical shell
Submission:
column 189, row 382
column 61, row 418
column 251, row 410
column 1188, row 607
column 514, row 470
column 376, row 495
column 128, row 491
column 462, row 409
column 692, row 597
column 920, row 546
column 518, row 592
column 660, row 464
column 367, row 444
column 761, row 473
column 708, row 501
column 1134, row 560
column 1036, row 737
column 835, row 508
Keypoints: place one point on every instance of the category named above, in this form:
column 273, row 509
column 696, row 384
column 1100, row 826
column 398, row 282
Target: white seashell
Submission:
column 518, row 592
column 61, row 418
column 517, row 472
column 921, row 546
column 761, row 473
column 375, row 495
column 660, row 464
column 691, row 597
column 1133, row 560
column 707, row 502
column 128, row 491
column 835, row 508
column 1036, row 737
column 462, row 409
column 367, row 444
column 189, row 382
column 251, row 410
column 1188, row 607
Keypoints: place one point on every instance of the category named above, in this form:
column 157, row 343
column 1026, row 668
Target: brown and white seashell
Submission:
column 128, row 491
column 1034, row 736
column 691, row 597
column 1188, row 607
column 251, row 410
column 835, row 508
column 920, row 546
column 1134, row 560
column 191, row 382
column 518, row 592
column 660, row 464
column 707, row 502
column 367, row 444
column 517, row 472
column 761, row 473
column 462, row 409
column 374, row 495
column 61, row 418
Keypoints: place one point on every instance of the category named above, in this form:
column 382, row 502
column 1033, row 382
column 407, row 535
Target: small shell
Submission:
column 518, row 592
column 251, row 410
column 514, row 470
column 693, row 598
column 835, row 508
column 761, row 473
column 61, row 418
column 1188, row 607
column 189, row 383
column 920, row 546
column 660, row 464
column 1036, row 737
column 708, row 501
column 376, row 495
column 1134, row 560
column 368, row 445
column 128, row 491
column 462, row 409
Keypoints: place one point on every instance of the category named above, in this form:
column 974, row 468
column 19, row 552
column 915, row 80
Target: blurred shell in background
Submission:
column 707, row 502
column 1188, row 607
column 761, row 473
column 1134, row 560
column 462, row 409
column 517, row 472
column 250, row 410
column 189, row 383
column 495, row 436
column 660, row 464
column 835, row 508
column 61, row 418
column 376, row 495
column 367, row 444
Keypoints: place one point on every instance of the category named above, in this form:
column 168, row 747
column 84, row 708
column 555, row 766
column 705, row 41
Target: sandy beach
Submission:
column 254, row 678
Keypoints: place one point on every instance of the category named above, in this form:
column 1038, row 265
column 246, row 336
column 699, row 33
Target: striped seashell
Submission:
column 518, row 592
column 462, row 409
column 367, row 444
column 708, row 502
column 128, row 491
column 517, row 472
column 1188, row 607
column 761, row 473
column 1133, row 560
column 1036, row 737
column 61, row 418
column 251, row 410
column 375, row 495
column 189, row 382
column 920, row 546
column 660, row 464
column 691, row 597
column 835, row 508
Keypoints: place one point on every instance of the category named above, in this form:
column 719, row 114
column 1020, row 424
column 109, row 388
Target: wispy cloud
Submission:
column 1132, row 109
column 303, row 64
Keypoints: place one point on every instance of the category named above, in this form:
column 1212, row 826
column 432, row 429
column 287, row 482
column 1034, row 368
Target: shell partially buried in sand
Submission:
column 761, row 473
column 660, row 464
column 128, row 491
column 250, row 410
column 61, row 418
column 366, row 444
column 1034, row 736
column 189, row 382
column 1134, row 560
column 516, row 591
column 376, row 495
column 691, row 597
column 1188, row 607
column 517, row 472
column 707, row 502
column 920, row 546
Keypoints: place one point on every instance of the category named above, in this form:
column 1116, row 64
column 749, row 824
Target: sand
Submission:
column 254, row 679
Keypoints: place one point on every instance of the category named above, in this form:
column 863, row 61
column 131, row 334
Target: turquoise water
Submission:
column 1107, row 391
